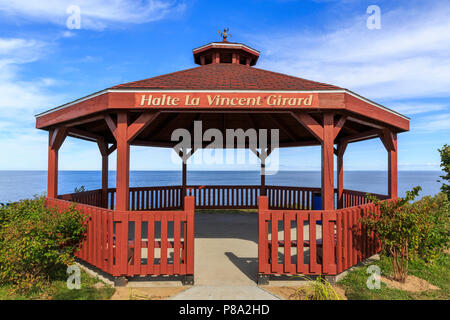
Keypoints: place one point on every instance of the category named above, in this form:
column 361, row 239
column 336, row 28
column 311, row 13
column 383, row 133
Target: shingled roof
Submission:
column 226, row 76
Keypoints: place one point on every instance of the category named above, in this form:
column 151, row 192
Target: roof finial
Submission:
column 224, row 34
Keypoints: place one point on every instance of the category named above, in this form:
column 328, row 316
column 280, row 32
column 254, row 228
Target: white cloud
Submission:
column 438, row 122
column 19, row 101
column 408, row 57
column 413, row 108
column 19, row 98
column 95, row 14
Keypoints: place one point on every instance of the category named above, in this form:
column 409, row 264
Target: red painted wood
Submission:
column 189, row 208
column 327, row 162
column 276, row 266
column 163, row 261
column 123, row 163
column 177, row 243
column 263, row 264
column 151, row 245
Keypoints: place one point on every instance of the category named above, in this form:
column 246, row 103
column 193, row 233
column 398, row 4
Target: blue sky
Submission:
column 405, row 66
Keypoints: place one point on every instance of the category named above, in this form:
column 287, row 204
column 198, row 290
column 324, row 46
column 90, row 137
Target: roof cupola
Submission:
column 225, row 52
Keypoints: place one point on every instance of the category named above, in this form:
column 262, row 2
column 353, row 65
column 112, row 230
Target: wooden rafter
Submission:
column 111, row 125
column 370, row 134
column 85, row 135
column 281, row 126
column 140, row 124
column 310, row 124
column 57, row 137
column 84, row 121
column 387, row 138
column 338, row 126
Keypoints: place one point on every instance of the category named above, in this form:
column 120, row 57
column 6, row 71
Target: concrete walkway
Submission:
column 224, row 293
column 226, row 249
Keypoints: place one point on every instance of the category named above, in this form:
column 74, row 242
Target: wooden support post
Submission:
column 340, row 174
column 184, row 178
column 263, row 177
column 52, row 185
column 56, row 138
column 105, row 181
column 327, row 162
column 123, row 163
column 389, row 140
column 393, row 169
column 105, row 152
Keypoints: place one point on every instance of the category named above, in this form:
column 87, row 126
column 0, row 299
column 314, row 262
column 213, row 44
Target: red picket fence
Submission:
column 98, row 246
column 130, row 243
column 312, row 242
column 146, row 244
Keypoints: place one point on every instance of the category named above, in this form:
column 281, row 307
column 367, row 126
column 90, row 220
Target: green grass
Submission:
column 58, row 291
column 437, row 274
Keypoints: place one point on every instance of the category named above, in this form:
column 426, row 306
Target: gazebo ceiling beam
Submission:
column 135, row 128
column 387, row 138
column 281, row 126
column 140, row 124
column 366, row 135
column 85, row 135
column 104, row 149
column 164, row 124
column 310, row 124
column 339, row 125
column 366, row 123
column 111, row 125
column 57, row 137
column 84, row 121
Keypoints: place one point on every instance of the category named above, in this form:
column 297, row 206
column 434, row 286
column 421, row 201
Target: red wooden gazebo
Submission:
column 150, row 231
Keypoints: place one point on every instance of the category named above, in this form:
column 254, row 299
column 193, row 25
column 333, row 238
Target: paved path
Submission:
column 226, row 249
column 224, row 293
column 226, row 258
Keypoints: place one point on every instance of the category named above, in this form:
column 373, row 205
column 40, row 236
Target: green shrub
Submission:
column 434, row 235
column 36, row 243
column 445, row 165
column 398, row 229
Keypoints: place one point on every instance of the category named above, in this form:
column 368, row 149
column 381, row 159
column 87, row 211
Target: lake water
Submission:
column 16, row 185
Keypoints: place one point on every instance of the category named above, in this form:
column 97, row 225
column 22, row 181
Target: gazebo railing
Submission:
column 313, row 242
column 92, row 197
column 136, row 242
column 220, row 197
column 225, row 197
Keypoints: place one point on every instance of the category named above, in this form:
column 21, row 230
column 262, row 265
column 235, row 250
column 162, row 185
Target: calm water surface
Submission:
column 16, row 185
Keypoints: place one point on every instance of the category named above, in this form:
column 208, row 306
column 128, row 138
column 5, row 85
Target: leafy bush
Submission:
column 36, row 243
column 407, row 230
column 445, row 165
column 398, row 228
column 434, row 235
